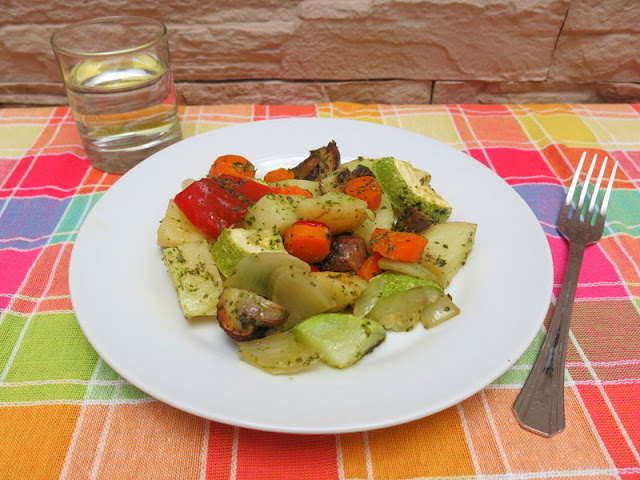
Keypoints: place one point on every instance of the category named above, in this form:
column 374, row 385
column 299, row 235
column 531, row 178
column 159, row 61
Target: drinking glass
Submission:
column 117, row 75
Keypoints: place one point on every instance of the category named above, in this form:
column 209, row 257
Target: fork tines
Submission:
column 592, row 192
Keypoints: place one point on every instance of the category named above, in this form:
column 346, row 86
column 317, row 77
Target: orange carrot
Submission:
column 278, row 175
column 308, row 240
column 235, row 165
column 370, row 267
column 365, row 188
column 404, row 246
column 292, row 190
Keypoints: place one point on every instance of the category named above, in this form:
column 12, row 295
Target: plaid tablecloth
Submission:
column 64, row 413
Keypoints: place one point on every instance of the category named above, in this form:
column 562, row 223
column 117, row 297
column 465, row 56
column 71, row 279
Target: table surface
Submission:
column 64, row 413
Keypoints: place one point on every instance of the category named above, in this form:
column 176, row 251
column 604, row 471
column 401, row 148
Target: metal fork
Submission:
column 540, row 404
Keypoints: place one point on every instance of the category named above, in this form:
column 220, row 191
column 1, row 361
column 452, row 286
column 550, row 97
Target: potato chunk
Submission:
column 448, row 248
column 338, row 211
column 176, row 229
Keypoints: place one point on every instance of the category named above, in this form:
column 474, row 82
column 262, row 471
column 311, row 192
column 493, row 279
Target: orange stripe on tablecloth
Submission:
column 524, row 452
column 95, row 177
column 84, row 449
column 34, row 440
column 144, row 440
column 220, row 451
column 481, row 437
column 275, row 456
column 354, row 457
column 434, row 446
column 159, row 438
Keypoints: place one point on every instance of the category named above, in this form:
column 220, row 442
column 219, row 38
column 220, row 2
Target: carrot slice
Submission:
column 370, row 267
column 278, row 175
column 308, row 240
column 404, row 246
column 235, row 165
column 293, row 190
column 365, row 188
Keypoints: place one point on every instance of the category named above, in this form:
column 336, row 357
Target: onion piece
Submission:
column 439, row 311
column 407, row 268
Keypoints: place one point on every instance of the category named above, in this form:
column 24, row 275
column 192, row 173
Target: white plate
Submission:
column 127, row 307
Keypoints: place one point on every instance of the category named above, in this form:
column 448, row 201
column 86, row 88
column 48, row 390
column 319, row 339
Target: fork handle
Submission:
column 540, row 404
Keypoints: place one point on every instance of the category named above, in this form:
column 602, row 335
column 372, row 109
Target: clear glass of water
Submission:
column 117, row 74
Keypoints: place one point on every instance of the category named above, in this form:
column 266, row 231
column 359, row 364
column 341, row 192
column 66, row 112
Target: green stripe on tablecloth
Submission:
column 622, row 213
column 10, row 329
column 42, row 392
column 73, row 217
column 111, row 386
column 53, row 347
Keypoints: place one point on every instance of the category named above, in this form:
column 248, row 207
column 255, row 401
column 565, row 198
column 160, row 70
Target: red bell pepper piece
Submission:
column 212, row 204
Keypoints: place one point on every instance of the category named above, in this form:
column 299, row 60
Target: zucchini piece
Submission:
column 234, row 244
column 408, row 186
column 277, row 354
column 254, row 271
column 195, row 277
column 401, row 311
column 341, row 339
column 395, row 300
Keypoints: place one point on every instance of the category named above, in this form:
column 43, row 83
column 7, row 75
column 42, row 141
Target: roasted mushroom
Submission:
column 342, row 176
column 413, row 220
column 319, row 163
column 346, row 255
column 244, row 315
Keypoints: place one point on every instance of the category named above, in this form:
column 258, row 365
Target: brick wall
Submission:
column 366, row 51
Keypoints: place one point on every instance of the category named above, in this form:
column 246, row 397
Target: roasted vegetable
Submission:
column 408, row 186
column 334, row 182
column 449, row 245
column 441, row 310
column 212, row 204
column 176, row 229
column 341, row 339
column 338, row 211
column 195, row 277
column 278, row 353
column 346, row 254
column 413, row 220
column 344, row 288
column 300, row 293
column 319, row 163
column 396, row 301
column 244, row 316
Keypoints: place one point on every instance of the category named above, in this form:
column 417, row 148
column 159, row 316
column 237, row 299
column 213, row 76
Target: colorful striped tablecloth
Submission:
column 65, row 414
